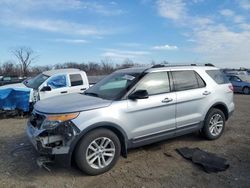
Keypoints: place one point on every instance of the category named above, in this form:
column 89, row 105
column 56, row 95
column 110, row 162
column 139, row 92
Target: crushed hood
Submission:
column 70, row 103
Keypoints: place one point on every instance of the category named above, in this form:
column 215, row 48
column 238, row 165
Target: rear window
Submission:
column 185, row 80
column 218, row 76
column 76, row 79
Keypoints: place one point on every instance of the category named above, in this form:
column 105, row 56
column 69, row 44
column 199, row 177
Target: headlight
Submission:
column 52, row 121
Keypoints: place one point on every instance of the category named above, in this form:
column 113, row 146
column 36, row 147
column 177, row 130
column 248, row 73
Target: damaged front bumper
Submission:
column 54, row 142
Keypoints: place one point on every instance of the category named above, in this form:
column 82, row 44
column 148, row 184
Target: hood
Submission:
column 70, row 103
column 13, row 86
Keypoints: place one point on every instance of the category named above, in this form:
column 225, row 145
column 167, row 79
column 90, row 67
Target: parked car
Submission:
column 128, row 109
column 4, row 80
column 49, row 84
column 239, row 85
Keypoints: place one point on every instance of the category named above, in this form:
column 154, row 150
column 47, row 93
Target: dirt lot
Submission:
column 145, row 167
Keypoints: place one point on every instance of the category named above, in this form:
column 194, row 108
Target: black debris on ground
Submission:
column 209, row 161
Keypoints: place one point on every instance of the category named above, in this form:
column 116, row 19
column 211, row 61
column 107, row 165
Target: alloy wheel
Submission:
column 100, row 152
column 216, row 124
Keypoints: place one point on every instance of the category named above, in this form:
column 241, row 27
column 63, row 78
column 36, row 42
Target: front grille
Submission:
column 36, row 120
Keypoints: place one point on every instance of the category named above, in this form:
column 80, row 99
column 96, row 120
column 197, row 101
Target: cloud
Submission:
column 165, row 47
column 245, row 4
column 227, row 12
column 30, row 15
column 123, row 54
column 58, row 26
column 171, row 9
column 71, row 41
column 232, row 15
column 130, row 44
column 223, row 43
column 64, row 5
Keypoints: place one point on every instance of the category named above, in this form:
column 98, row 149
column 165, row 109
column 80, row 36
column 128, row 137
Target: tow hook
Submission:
column 43, row 162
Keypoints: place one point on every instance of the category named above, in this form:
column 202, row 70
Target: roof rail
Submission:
column 177, row 65
column 158, row 66
column 209, row 64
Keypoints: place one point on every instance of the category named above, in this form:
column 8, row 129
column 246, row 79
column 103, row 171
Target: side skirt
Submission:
column 134, row 143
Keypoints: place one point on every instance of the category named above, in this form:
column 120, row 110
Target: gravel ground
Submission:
column 156, row 165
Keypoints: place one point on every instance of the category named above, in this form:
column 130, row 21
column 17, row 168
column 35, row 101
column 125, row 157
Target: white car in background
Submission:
column 53, row 83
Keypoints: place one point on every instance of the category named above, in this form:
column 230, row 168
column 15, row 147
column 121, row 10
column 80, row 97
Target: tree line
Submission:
column 26, row 58
column 11, row 68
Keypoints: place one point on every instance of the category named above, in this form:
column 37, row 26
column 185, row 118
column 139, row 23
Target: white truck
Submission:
column 53, row 83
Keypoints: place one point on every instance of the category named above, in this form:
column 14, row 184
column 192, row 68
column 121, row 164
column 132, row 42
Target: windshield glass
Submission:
column 114, row 86
column 36, row 81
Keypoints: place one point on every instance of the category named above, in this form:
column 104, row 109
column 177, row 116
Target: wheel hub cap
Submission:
column 216, row 124
column 100, row 152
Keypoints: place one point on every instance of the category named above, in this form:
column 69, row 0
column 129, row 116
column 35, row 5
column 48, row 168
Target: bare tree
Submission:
column 25, row 57
column 9, row 68
column 107, row 66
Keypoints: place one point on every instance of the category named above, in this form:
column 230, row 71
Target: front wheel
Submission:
column 214, row 124
column 98, row 151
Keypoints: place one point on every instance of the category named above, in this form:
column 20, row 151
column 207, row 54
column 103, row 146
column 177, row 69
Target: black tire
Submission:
column 246, row 90
column 82, row 148
column 206, row 131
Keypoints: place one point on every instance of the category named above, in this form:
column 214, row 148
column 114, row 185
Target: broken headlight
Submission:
column 52, row 121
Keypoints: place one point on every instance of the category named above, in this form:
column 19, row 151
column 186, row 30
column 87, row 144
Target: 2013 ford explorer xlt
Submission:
column 131, row 108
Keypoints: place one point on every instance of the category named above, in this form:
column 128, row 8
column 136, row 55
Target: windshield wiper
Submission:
column 91, row 94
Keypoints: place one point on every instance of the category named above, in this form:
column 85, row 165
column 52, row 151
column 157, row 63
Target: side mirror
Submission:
column 46, row 88
column 139, row 94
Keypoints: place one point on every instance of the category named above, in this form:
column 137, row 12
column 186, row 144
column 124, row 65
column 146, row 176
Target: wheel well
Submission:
column 223, row 108
column 121, row 137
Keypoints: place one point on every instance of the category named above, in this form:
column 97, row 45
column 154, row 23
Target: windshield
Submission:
column 36, row 81
column 114, row 86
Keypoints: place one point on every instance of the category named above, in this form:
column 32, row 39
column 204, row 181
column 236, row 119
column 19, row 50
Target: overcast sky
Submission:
column 178, row 31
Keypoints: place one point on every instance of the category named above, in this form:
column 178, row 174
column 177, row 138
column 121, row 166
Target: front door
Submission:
column 152, row 117
column 58, row 84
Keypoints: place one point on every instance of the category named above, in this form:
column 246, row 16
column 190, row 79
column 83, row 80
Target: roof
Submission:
column 134, row 69
column 58, row 71
column 167, row 67
column 190, row 67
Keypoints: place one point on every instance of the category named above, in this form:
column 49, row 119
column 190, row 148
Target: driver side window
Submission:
column 58, row 81
column 155, row 83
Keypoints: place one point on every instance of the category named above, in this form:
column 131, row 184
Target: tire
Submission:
column 92, row 151
column 211, row 130
column 246, row 90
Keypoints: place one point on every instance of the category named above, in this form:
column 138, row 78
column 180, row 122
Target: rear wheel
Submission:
column 246, row 90
column 214, row 124
column 98, row 151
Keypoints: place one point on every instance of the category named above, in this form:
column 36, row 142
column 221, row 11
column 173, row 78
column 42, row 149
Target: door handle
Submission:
column 82, row 89
column 64, row 92
column 166, row 100
column 206, row 93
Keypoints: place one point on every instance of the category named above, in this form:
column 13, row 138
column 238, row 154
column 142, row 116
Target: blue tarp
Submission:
column 14, row 98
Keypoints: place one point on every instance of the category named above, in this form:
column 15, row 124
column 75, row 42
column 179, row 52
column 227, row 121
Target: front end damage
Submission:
column 52, row 141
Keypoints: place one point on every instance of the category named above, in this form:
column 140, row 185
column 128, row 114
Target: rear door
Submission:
column 191, row 94
column 155, row 116
column 77, row 83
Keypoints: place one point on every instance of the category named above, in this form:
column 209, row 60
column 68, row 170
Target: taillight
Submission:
column 231, row 87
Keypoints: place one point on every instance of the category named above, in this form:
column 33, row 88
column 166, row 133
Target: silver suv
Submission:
column 131, row 108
